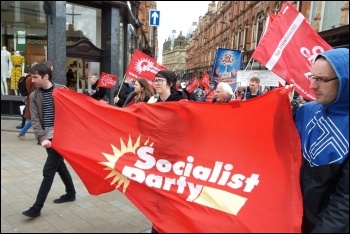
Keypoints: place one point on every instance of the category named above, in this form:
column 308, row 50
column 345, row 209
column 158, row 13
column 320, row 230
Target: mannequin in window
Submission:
column 17, row 70
column 5, row 71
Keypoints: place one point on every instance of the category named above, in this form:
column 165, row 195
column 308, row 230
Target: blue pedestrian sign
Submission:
column 154, row 16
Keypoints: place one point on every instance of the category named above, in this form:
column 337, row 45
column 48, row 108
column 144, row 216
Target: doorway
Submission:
column 82, row 69
column 85, row 60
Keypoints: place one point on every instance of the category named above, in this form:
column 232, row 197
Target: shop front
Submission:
column 86, row 38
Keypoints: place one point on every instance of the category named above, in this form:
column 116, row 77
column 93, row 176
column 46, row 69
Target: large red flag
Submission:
column 231, row 183
column 205, row 80
column 143, row 66
column 192, row 85
column 107, row 80
column 289, row 48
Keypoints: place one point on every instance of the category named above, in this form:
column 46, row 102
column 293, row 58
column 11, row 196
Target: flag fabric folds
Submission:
column 192, row 85
column 289, row 48
column 205, row 80
column 107, row 80
column 143, row 66
column 164, row 158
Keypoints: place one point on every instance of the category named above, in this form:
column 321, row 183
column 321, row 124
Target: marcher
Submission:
column 42, row 114
column 323, row 126
column 97, row 93
column 223, row 93
column 254, row 88
column 142, row 93
column 30, row 88
column 165, row 86
column 123, row 91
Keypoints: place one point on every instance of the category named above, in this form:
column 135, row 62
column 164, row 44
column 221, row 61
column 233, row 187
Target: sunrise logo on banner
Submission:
column 143, row 66
column 107, row 80
column 289, row 49
column 187, row 189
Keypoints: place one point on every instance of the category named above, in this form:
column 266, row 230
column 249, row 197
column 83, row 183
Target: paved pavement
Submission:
column 21, row 174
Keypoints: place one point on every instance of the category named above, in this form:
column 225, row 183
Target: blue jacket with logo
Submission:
column 324, row 132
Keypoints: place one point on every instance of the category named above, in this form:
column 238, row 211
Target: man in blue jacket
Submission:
column 323, row 126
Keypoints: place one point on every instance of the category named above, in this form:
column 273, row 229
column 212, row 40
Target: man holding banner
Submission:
column 323, row 126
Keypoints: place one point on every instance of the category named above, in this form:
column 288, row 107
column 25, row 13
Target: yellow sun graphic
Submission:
column 139, row 64
column 113, row 158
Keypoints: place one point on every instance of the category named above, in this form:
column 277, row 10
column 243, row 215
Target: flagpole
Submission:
column 120, row 87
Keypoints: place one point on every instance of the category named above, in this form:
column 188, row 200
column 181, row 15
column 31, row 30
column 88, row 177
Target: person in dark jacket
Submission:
column 254, row 88
column 121, row 94
column 165, row 86
column 142, row 93
column 97, row 93
column 323, row 126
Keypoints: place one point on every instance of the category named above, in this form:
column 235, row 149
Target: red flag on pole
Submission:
column 143, row 66
column 205, row 80
column 192, row 85
column 179, row 186
column 107, row 80
column 289, row 48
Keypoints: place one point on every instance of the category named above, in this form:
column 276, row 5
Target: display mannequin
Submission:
column 17, row 70
column 5, row 71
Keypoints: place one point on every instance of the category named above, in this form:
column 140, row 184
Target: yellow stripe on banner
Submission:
column 220, row 200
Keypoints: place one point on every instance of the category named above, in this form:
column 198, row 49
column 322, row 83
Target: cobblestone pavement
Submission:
column 21, row 175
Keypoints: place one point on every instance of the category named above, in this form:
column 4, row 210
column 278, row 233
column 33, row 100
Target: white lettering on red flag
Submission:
column 107, row 80
column 289, row 48
column 143, row 66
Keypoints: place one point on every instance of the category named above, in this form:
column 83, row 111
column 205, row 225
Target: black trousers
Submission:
column 54, row 163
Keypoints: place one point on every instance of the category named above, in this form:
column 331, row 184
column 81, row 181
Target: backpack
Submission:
column 22, row 86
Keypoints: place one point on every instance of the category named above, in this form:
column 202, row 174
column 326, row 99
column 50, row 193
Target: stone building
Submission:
column 239, row 24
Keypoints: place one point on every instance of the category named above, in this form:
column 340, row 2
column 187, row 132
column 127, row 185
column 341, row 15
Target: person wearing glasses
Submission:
column 323, row 126
column 165, row 86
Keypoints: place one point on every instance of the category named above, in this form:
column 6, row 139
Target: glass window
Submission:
column 83, row 22
column 24, row 31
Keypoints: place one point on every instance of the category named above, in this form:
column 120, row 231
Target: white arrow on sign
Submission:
column 154, row 17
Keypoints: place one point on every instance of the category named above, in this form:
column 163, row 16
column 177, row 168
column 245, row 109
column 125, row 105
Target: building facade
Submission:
column 174, row 54
column 239, row 25
column 86, row 37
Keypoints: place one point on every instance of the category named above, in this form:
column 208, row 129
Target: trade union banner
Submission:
column 289, row 48
column 164, row 158
column 143, row 66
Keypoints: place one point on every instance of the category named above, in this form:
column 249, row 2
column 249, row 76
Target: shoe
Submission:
column 64, row 198
column 20, row 126
column 23, row 138
column 32, row 212
column 38, row 143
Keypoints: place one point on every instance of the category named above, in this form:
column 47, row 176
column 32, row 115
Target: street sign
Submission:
column 154, row 16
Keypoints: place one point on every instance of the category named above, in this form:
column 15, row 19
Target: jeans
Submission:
column 25, row 128
column 54, row 163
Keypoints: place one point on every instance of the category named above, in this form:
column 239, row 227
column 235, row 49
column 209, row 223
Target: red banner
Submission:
column 289, row 48
column 143, row 66
column 192, row 85
column 107, row 80
column 228, row 183
column 205, row 80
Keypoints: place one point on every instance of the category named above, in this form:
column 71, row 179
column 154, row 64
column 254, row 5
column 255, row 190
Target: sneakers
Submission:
column 22, row 138
column 64, row 198
column 32, row 212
